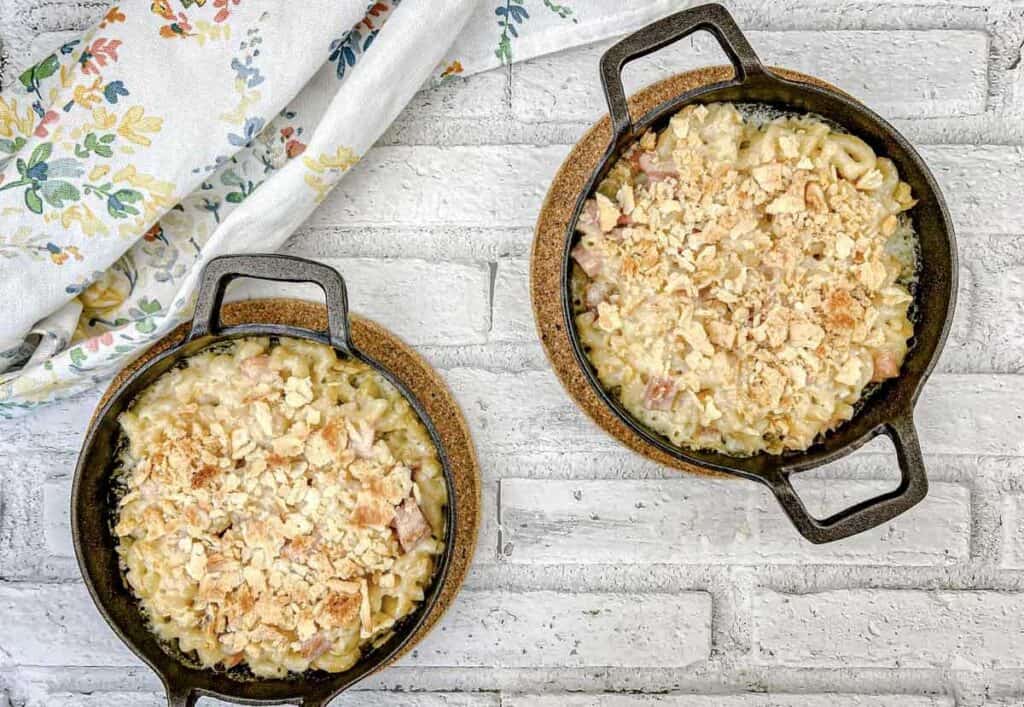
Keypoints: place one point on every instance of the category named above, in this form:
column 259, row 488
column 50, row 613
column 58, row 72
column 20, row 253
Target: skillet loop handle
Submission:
column 668, row 30
column 181, row 697
column 872, row 512
column 220, row 271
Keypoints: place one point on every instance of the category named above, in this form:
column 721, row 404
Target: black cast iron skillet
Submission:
column 91, row 497
column 888, row 410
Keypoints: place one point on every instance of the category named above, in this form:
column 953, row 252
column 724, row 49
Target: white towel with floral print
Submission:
column 178, row 130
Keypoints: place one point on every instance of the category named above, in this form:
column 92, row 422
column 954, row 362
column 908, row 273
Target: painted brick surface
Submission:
column 1013, row 531
column 957, row 414
column 877, row 628
column 565, row 86
column 505, row 185
column 547, row 629
column 429, row 186
column 686, row 520
column 423, row 302
column 41, row 617
column 748, row 700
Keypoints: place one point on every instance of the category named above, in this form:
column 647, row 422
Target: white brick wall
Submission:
column 725, row 701
column 561, row 87
column 883, row 628
column 691, row 521
column 601, row 578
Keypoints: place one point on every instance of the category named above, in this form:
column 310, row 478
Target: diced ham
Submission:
column 654, row 168
column 589, row 223
column 660, row 394
column 633, row 155
column 587, row 259
column 315, row 646
column 410, row 525
column 257, row 368
column 886, row 366
column 597, row 292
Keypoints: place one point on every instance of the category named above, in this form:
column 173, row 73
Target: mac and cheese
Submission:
column 738, row 284
column 280, row 507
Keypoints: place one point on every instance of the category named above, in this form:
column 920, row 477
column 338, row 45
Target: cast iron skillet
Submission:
column 889, row 410
column 91, row 496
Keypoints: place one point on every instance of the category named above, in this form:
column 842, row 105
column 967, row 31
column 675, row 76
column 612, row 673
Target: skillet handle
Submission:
column 220, row 271
column 872, row 512
column 181, row 697
column 668, row 30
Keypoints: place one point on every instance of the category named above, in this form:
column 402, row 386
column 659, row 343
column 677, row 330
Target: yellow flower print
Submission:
column 143, row 181
column 86, row 219
column 135, row 122
column 88, row 223
column 207, row 32
column 60, row 255
column 109, row 291
column 245, row 99
column 326, row 169
column 161, row 197
column 342, row 159
column 88, row 96
column 67, row 74
column 102, row 119
column 99, row 172
column 13, row 124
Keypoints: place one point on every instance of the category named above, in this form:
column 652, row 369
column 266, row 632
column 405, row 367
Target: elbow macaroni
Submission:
column 737, row 285
column 258, row 492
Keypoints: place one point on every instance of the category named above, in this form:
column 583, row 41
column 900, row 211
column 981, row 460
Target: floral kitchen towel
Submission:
column 177, row 130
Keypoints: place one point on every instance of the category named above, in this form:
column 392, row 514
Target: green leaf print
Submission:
column 77, row 356
column 47, row 67
column 504, row 50
column 12, row 146
column 149, row 306
column 119, row 203
column 563, row 11
column 57, row 192
column 40, row 154
column 95, row 145
column 33, row 201
column 31, row 77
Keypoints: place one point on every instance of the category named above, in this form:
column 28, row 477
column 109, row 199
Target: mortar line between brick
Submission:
column 492, row 275
column 500, row 531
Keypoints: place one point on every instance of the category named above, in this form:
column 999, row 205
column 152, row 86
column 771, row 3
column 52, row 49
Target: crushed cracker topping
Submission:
column 738, row 285
column 262, row 486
